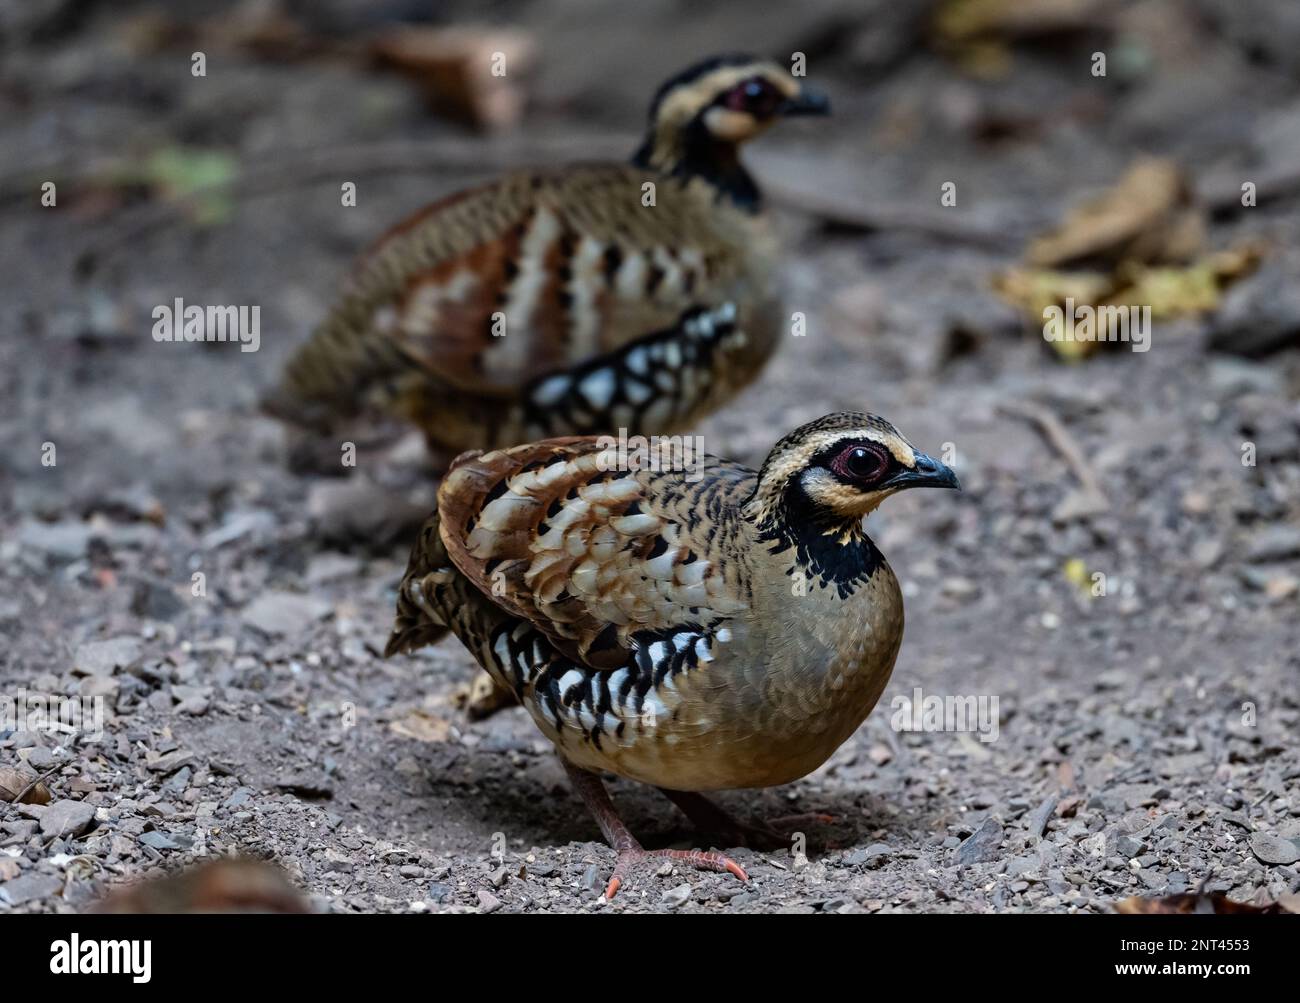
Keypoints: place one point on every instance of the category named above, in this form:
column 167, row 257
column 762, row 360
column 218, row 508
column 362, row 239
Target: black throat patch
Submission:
column 827, row 549
column 702, row 156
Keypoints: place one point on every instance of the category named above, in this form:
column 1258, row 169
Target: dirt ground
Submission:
column 1146, row 740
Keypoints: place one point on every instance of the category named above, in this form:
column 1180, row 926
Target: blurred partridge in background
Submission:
column 576, row 300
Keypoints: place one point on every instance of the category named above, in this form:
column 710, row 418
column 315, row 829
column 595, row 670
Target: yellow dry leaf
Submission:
column 1076, row 573
column 977, row 34
column 1171, row 292
column 1174, row 292
column 984, row 59
column 961, row 20
column 1033, row 290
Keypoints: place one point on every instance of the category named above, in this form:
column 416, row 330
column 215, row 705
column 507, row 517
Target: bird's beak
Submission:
column 809, row 102
column 926, row 473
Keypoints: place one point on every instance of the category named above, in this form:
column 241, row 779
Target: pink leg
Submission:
column 630, row 852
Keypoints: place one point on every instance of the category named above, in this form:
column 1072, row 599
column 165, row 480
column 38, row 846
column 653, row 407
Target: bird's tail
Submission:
column 427, row 596
column 343, row 370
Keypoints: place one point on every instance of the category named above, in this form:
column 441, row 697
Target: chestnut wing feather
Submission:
column 554, row 534
column 536, row 272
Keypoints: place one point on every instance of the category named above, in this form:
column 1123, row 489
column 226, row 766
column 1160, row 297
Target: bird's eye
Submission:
column 862, row 463
column 756, row 96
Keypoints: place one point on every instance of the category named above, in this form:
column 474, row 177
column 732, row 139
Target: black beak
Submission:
column 928, row 473
column 809, row 102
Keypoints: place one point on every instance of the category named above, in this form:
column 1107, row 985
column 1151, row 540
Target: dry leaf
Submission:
column 1168, row 291
column 1139, row 245
column 422, row 726
column 963, row 20
column 1034, row 290
column 1192, row 903
column 1147, row 216
column 977, row 33
column 220, row 886
column 12, row 782
column 1172, row 292
column 472, row 74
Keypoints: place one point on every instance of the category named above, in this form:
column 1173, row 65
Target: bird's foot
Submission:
column 630, row 852
column 704, row 860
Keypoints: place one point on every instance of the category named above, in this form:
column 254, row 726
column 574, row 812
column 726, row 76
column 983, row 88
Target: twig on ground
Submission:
column 1091, row 499
column 17, row 798
column 842, row 211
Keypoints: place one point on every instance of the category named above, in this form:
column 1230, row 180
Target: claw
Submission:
column 705, row 860
column 736, row 869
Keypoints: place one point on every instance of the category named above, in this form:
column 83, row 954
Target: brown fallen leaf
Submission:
column 1215, row 903
column 14, row 782
column 1148, row 215
column 422, row 726
column 473, row 74
column 220, row 886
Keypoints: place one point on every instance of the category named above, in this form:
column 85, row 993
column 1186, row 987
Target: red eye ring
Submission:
column 756, row 96
column 862, row 463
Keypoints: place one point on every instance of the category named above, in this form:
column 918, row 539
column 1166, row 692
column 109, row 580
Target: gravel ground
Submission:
column 1145, row 738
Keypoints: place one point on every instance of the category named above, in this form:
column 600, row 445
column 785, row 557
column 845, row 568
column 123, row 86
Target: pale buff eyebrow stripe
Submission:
column 688, row 100
column 897, row 446
column 903, row 453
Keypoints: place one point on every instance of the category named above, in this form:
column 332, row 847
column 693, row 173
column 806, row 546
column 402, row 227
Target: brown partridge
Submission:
column 724, row 630
column 572, row 301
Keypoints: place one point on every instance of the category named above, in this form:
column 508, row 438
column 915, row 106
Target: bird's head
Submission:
column 700, row 116
column 837, row 469
column 732, row 98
